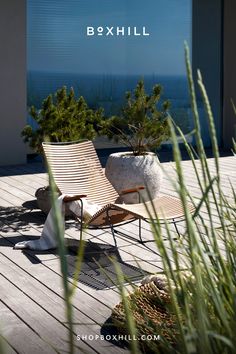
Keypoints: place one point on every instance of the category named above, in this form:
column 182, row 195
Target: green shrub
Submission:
column 62, row 118
column 141, row 126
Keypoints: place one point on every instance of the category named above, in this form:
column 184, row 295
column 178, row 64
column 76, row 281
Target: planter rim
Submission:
column 129, row 154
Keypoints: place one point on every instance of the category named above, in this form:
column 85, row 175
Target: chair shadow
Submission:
column 112, row 335
column 19, row 218
column 30, row 204
column 97, row 269
column 23, row 218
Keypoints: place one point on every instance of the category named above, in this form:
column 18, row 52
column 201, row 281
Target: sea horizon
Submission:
column 108, row 90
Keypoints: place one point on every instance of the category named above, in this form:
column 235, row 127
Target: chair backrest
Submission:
column 77, row 170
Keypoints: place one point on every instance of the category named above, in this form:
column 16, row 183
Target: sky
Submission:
column 57, row 39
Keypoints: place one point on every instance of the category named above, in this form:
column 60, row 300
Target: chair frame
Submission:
column 174, row 218
column 112, row 227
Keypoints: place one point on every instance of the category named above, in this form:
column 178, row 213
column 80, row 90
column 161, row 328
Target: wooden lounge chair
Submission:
column 77, row 171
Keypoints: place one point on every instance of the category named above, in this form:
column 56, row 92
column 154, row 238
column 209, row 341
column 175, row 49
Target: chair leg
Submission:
column 81, row 232
column 176, row 229
column 140, row 231
column 112, row 228
column 140, row 240
column 80, row 221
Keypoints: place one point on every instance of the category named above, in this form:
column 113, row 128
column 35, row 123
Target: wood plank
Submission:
column 74, row 233
column 50, row 277
column 21, row 338
column 35, row 279
column 38, row 320
column 52, row 263
column 52, row 302
column 139, row 251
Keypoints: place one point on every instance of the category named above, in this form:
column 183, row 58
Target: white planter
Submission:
column 124, row 171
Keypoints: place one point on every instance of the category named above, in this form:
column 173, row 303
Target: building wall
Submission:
column 12, row 80
column 209, row 19
column 207, row 52
column 229, row 122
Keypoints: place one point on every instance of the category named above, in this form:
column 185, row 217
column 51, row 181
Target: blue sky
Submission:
column 57, row 38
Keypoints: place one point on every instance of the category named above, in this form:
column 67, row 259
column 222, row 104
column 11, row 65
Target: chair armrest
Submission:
column 68, row 199
column 132, row 190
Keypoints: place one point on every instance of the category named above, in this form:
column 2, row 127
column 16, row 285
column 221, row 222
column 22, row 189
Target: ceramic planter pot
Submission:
column 124, row 171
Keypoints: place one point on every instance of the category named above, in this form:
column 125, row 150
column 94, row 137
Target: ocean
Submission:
column 108, row 91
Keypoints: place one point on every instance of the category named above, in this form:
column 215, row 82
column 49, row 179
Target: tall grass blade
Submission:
column 59, row 227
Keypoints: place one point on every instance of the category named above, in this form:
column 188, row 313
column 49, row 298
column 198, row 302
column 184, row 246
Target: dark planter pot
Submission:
column 43, row 196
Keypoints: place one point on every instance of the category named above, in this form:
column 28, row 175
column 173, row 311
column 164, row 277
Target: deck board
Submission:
column 31, row 294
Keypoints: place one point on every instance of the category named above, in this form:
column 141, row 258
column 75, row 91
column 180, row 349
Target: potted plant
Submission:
column 142, row 127
column 62, row 118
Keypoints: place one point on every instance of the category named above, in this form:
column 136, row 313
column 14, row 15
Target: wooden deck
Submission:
column 31, row 299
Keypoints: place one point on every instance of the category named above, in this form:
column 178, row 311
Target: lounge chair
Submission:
column 77, row 171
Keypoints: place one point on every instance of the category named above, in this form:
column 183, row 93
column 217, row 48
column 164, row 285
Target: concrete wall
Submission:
column 207, row 52
column 229, row 122
column 12, row 80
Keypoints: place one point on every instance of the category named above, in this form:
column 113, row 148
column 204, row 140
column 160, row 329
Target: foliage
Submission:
column 2, row 346
column 234, row 142
column 62, row 118
column 141, row 126
column 68, row 288
column 204, row 302
column 234, row 147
